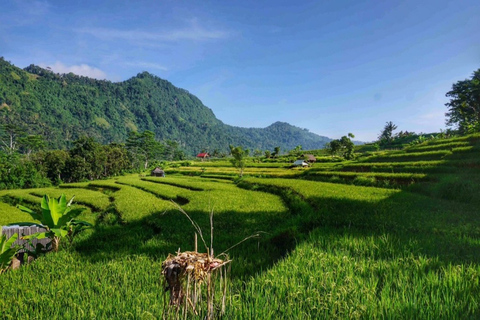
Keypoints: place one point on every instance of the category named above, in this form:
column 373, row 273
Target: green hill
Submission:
column 63, row 107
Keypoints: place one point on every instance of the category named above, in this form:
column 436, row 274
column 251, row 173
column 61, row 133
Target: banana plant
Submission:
column 57, row 217
column 6, row 251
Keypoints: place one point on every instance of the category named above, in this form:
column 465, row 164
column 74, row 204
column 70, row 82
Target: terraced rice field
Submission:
column 360, row 243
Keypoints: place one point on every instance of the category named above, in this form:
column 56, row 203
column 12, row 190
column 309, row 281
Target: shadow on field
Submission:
column 440, row 228
column 434, row 219
column 419, row 224
column 166, row 232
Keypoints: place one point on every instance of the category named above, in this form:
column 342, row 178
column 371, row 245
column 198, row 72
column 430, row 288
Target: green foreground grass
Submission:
column 328, row 250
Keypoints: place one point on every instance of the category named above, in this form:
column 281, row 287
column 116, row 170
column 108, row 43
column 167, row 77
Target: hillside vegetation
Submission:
column 394, row 234
column 62, row 108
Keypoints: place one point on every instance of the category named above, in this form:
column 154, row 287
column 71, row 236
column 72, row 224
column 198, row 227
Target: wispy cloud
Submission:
column 430, row 118
column 147, row 65
column 35, row 8
column 25, row 13
column 193, row 32
column 81, row 70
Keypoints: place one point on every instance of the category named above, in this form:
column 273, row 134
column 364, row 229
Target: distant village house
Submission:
column 300, row 163
column 203, row 155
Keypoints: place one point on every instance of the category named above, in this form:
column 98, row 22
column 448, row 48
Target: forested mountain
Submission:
column 64, row 107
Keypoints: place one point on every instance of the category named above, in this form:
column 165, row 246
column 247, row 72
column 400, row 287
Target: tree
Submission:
column 276, row 152
column 116, row 159
column 464, row 105
column 54, row 162
column 171, row 150
column 296, row 151
column 9, row 135
column 386, row 136
column 348, row 146
column 257, row 154
column 333, row 147
column 143, row 147
column 343, row 146
column 239, row 156
column 91, row 152
column 32, row 143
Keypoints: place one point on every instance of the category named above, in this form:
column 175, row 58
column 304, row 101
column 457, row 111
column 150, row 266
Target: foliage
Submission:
column 16, row 172
column 57, row 217
column 9, row 136
column 343, row 146
column 297, row 151
column 32, row 143
column 333, row 250
column 143, row 147
column 355, row 252
column 6, row 251
column 276, row 152
column 239, row 158
column 64, row 107
column 464, row 105
column 386, row 136
column 411, row 156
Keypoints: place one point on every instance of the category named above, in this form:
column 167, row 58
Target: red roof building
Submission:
column 203, row 155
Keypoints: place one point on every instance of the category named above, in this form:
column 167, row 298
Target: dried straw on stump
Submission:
column 186, row 273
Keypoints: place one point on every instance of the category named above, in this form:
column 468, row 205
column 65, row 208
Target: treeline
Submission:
column 23, row 165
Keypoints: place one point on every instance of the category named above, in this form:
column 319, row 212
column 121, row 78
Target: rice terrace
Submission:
column 393, row 234
column 246, row 159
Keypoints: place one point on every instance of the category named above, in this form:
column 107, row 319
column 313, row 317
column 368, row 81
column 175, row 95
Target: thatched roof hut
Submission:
column 158, row 172
column 309, row 157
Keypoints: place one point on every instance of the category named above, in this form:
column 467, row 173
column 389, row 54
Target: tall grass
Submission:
column 349, row 275
column 9, row 214
column 327, row 251
column 438, row 146
column 414, row 156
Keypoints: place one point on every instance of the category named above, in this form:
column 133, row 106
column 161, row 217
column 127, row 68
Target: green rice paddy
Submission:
column 328, row 249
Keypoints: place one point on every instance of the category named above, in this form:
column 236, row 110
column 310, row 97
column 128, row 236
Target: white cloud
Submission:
column 81, row 70
column 193, row 32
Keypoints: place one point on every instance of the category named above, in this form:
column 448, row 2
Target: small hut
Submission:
column 203, row 155
column 158, row 172
column 309, row 158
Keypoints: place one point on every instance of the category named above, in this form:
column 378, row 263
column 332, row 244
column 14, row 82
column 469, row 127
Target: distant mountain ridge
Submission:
column 63, row 107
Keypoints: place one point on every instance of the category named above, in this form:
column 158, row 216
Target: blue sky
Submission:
column 332, row 67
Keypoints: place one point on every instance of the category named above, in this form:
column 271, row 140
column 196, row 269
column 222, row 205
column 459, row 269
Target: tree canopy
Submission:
column 239, row 157
column 464, row 105
column 343, row 147
column 386, row 136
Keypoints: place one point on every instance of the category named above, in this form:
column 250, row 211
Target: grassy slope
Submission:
column 332, row 250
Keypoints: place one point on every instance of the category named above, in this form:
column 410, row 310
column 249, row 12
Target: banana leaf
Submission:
column 6, row 251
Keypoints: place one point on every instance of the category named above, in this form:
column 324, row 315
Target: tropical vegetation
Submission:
column 350, row 239
column 383, row 230
column 62, row 108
